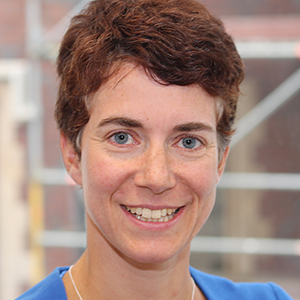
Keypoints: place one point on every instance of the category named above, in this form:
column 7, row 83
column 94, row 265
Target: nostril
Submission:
column 156, row 181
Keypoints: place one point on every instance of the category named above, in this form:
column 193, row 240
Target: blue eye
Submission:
column 121, row 138
column 190, row 143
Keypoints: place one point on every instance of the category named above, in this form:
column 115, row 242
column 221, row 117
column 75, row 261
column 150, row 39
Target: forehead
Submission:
column 132, row 91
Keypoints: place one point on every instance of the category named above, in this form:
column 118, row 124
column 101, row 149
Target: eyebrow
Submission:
column 122, row 121
column 128, row 122
column 193, row 126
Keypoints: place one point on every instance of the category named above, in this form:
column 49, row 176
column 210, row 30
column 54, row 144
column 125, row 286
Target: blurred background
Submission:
column 254, row 231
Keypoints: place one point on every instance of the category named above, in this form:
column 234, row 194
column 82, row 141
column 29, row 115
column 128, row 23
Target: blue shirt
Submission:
column 213, row 287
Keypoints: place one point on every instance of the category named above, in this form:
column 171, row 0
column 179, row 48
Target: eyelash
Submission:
column 112, row 138
column 197, row 140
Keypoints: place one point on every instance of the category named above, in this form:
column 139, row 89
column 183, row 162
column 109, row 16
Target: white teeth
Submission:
column 156, row 214
column 162, row 219
column 139, row 211
column 148, row 215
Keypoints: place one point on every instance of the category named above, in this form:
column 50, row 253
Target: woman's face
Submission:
column 149, row 165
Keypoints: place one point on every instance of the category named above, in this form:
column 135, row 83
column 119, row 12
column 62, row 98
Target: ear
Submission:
column 71, row 159
column 222, row 162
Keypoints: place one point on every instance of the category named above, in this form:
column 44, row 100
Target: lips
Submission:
column 149, row 215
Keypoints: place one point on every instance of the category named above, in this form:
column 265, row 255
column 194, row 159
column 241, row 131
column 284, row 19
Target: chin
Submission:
column 153, row 256
column 149, row 260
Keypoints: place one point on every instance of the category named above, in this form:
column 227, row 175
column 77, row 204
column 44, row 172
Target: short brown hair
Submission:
column 175, row 41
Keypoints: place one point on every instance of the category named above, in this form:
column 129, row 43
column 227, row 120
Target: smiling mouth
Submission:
column 149, row 215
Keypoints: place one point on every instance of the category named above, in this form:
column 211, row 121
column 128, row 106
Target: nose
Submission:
column 154, row 171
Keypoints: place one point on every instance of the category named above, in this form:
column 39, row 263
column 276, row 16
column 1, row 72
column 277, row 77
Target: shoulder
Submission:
column 215, row 287
column 50, row 288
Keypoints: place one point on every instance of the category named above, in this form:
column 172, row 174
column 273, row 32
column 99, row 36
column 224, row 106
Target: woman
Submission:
column 147, row 100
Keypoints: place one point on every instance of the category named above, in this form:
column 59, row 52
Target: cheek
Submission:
column 100, row 181
column 204, row 187
column 203, row 179
column 102, row 176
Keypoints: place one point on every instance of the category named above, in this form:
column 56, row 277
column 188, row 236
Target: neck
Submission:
column 105, row 274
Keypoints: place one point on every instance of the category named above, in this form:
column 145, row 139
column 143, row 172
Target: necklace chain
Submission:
column 78, row 294
column 73, row 282
column 194, row 288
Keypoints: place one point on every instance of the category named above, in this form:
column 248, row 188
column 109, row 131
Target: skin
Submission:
column 154, row 168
